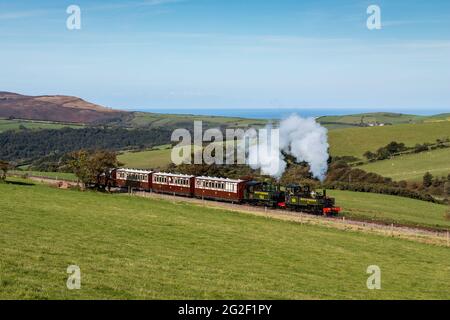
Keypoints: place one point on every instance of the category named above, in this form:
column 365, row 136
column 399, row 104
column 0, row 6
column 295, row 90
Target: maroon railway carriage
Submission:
column 177, row 184
column 220, row 189
column 133, row 178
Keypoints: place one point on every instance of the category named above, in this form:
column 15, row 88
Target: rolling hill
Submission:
column 356, row 141
column 55, row 108
column 385, row 118
column 412, row 167
column 18, row 124
column 136, row 248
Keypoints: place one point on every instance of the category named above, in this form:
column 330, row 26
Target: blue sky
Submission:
column 230, row 53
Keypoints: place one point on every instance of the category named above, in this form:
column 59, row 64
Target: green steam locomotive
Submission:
column 292, row 197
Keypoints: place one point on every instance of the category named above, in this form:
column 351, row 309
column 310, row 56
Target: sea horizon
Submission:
column 281, row 113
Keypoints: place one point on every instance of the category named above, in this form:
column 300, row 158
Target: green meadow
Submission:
column 356, row 141
column 392, row 209
column 156, row 120
column 148, row 159
column 413, row 166
column 6, row 125
column 136, row 248
column 51, row 175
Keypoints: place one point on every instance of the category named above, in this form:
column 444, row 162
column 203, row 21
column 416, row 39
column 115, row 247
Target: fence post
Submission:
column 448, row 238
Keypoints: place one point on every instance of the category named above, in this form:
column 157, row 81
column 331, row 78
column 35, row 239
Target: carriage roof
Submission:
column 220, row 179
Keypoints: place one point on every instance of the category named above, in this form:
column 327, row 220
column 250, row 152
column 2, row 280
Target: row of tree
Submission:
column 436, row 185
column 395, row 148
column 385, row 152
column 28, row 146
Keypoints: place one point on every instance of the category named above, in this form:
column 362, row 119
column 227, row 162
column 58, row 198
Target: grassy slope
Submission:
column 156, row 158
column 15, row 124
column 438, row 118
column 52, row 175
column 413, row 167
column 356, row 141
column 140, row 248
column 146, row 159
column 353, row 141
column 391, row 209
column 382, row 117
column 156, row 120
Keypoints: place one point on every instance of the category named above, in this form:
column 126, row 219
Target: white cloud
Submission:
column 21, row 14
column 134, row 4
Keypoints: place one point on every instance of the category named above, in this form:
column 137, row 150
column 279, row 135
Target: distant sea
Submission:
column 285, row 112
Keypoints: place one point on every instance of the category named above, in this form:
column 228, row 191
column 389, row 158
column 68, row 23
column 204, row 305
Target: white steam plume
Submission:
column 264, row 153
column 303, row 138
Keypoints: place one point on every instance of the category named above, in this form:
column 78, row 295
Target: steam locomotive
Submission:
column 291, row 197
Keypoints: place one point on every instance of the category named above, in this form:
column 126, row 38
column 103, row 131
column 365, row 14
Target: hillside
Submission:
column 356, row 141
column 380, row 118
column 391, row 209
column 66, row 109
column 413, row 166
column 54, row 108
column 134, row 248
column 6, row 125
column 350, row 141
column 157, row 120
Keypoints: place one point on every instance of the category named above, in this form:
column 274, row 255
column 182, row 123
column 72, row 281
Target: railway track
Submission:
column 439, row 237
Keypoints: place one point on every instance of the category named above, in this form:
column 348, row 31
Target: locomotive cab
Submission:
column 264, row 194
column 304, row 198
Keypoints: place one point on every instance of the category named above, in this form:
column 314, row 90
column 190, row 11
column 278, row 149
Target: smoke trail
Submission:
column 303, row 138
column 264, row 153
column 307, row 141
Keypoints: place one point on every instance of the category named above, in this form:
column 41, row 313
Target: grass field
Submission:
column 151, row 159
column 383, row 117
column 350, row 141
column 157, row 158
column 136, row 248
column 156, row 120
column 392, row 209
column 52, row 175
column 413, row 166
column 356, row 141
column 16, row 124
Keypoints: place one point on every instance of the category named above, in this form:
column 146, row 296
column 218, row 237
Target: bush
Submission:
column 447, row 215
column 382, row 189
column 427, row 180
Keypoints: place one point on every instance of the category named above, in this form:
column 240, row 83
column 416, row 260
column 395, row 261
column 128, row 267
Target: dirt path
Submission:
column 416, row 234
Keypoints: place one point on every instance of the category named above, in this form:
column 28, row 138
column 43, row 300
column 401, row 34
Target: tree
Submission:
column 370, row 155
column 383, row 153
column 427, row 180
column 101, row 162
column 4, row 167
column 92, row 168
column 420, row 148
column 447, row 188
column 77, row 162
column 395, row 147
